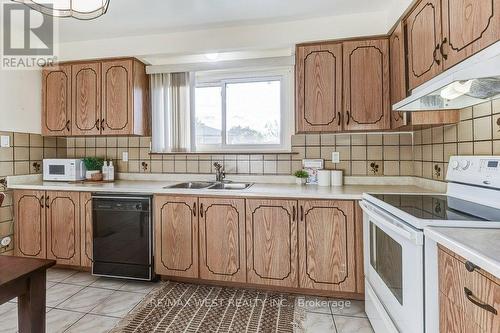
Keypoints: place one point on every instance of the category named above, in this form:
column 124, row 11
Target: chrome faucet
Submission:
column 219, row 172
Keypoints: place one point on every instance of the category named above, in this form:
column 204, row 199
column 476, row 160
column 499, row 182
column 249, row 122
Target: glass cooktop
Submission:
column 440, row 207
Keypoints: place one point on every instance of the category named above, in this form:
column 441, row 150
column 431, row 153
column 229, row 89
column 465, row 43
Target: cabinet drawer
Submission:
column 469, row 298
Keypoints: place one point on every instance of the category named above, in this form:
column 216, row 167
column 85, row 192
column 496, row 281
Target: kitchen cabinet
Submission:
column 398, row 74
column 469, row 298
column 423, row 27
column 86, row 229
column 319, row 87
column 468, row 27
column 102, row 97
column 56, row 100
column 271, row 236
column 62, row 211
column 366, row 85
column 86, row 98
column 222, row 239
column 327, row 245
column 47, row 225
column 29, row 231
column 176, row 236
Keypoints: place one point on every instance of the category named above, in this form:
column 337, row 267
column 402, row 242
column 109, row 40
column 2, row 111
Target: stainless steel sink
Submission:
column 191, row 185
column 230, row 186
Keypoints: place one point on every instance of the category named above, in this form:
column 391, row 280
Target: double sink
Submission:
column 225, row 185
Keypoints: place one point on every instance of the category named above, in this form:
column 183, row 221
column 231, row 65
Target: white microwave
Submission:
column 63, row 169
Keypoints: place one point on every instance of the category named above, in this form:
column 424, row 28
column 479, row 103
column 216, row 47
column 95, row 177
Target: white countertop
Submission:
column 480, row 246
column 347, row 192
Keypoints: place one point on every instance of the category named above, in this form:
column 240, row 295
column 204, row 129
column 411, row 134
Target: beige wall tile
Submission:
column 405, row 153
column 345, row 153
column 465, row 148
column 481, row 110
column 417, row 168
column 449, row 149
column 495, row 122
column 243, row 166
column 298, row 140
column 391, row 153
column 50, row 142
column 145, row 167
column 466, row 113
column 357, row 153
column 437, row 134
column 122, row 141
column 483, row 148
column 465, row 131
column 417, row 137
column 90, row 142
column 439, row 171
column 438, row 153
column 36, row 140
column 375, row 168
column 270, row 167
column 391, row 139
column 193, row 167
column 427, row 136
column 405, row 139
column 482, row 128
column 358, row 139
column 326, row 139
column 256, row 167
column 495, row 108
column 406, row 168
column 21, row 139
column 35, row 153
column 427, row 153
column 344, row 166
column 122, row 166
column 343, row 140
column 359, row 168
column 168, row 166
column 284, row 167
column 22, row 168
column 496, row 147
column 49, row 152
column 313, row 152
column 6, row 154
column 417, row 153
column 427, row 170
column 133, row 153
column 374, row 153
column 100, row 142
column 111, row 141
column 374, row 139
column 312, row 139
column 6, row 169
column 326, row 152
column 391, row 168
column 80, row 143
column 134, row 141
column 450, row 133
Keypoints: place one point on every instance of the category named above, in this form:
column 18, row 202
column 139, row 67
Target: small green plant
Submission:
column 93, row 163
column 301, row 174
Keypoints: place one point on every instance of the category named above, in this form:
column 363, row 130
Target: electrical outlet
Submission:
column 335, row 157
column 125, row 156
column 4, row 141
column 5, row 241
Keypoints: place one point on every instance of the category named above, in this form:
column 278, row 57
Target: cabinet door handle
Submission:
column 194, row 209
column 474, row 300
column 436, row 59
column 293, row 214
column 41, row 201
column 47, row 202
column 102, row 124
column 302, row 213
column 441, row 48
column 348, row 117
column 201, row 210
column 97, row 124
column 67, row 125
column 340, row 118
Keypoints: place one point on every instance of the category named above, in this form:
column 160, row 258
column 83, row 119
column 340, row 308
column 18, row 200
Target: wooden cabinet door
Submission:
column 117, row 101
column 86, row 97
column 327, row 247
column 86, row 229
column 366, row 85
column 468, row 27
column 176, row 233
column 319, row 88
column 271, row 235
column 29, row 214
column 56, row 100
column 398, row 74
column 63, row 227
column 222, row 239
column 423, row 27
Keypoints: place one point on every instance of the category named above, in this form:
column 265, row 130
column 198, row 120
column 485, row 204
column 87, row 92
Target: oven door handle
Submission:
column 395, row 226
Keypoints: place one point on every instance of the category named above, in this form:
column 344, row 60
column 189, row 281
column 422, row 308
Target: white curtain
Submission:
column 171, row 102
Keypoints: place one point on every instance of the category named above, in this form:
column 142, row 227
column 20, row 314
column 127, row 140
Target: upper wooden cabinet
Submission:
column 398, row 74
column 56, row 101
column 366, row 85
column 176, row 236
column 222, row 239
column 319, row 87
column 271, row 234
column 108, row 97
column 468, row 27
column 327, row 246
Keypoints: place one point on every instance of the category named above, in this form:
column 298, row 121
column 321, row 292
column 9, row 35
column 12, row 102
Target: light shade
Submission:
column 80, row 9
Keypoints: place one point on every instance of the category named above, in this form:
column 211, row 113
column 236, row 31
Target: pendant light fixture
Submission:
column 79, row 9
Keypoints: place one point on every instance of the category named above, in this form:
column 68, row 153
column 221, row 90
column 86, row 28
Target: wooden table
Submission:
column 25, row 278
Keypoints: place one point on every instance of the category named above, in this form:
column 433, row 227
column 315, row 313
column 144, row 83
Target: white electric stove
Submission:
column 395, row 248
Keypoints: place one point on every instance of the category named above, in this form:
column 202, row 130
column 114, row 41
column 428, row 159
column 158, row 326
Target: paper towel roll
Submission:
column 323, row 177
column 337, row 178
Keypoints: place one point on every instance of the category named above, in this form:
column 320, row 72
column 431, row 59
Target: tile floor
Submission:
column 78, row 302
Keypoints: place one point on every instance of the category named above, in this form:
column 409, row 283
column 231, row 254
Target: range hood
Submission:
column 475, row 80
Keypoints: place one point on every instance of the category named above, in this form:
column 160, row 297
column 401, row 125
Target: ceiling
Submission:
column 142, row 17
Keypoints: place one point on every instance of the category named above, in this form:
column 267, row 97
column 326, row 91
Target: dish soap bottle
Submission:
column 105, row 171
column 111, row 171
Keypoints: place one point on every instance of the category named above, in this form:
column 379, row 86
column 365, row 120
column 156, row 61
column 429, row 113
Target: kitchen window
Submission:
column 242, row 112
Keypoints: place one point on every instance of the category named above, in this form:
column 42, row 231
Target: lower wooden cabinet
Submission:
column 468, row 298
column 47, row 225
column 327, row 246
column 222, row 239
column 176, row 236
column 271, row 236
column 29, row 231
column 86, row 229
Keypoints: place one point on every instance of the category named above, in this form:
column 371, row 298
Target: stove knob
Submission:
column 455, row 165
column 464, row 164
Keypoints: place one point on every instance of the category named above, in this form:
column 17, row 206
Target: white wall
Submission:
column 237, row 38
column 20, row 100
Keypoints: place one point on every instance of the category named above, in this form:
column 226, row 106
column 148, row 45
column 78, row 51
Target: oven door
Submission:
column 394, row 269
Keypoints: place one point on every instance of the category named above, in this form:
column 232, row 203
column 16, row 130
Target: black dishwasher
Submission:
column 122, row 236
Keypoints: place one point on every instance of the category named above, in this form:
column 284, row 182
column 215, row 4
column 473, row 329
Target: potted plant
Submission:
column 301, row 177
column 93, row 165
